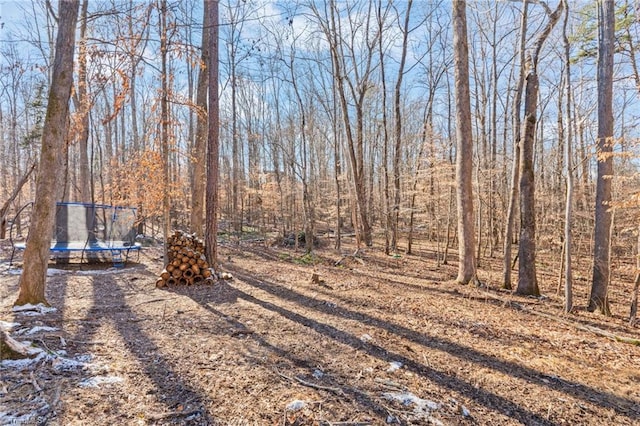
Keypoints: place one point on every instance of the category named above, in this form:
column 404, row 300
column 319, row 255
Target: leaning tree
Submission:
column 54, row 135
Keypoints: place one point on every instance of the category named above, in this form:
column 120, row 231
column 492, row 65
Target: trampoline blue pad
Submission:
column 84, row 246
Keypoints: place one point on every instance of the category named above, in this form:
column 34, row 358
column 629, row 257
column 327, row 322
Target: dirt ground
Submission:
column 376, row 340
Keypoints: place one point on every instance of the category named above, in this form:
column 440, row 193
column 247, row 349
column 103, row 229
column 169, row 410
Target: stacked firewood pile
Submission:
column 186, row 263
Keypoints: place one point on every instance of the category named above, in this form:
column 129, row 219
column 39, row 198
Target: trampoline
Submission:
column 89, row 229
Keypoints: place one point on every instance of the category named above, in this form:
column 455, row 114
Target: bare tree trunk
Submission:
column 352, row 94
column 307, row 201
column 397, row 114
column 83, row 107
column 200, row 148
column 164, row 127
column 388, row 222
column 135, row 58
column 338, row 172
column 568, row 224
column 338, row 165
column 603, row 215
column 527, row 280
column 493, row 178
column 426, row 131
column 464, row 149
column 36, row 255
column 213, row 144
column 513, row 196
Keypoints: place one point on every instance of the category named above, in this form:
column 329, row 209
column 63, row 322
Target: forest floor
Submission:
column 375, row 340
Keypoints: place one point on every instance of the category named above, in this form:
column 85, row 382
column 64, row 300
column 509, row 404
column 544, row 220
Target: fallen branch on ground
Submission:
column 312, row 385
column 162, row 416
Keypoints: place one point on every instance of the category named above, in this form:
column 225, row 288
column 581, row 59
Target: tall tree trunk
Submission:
column 307, row 201
column 388, row 223
column 338, row 168
column 83, row 106
column 164, row 127
column 527, row 280
column 200, row 147
column 213, row 143
column 513, row 195
column 493, row 177
column 236, row 218
column 36, row 255
column 603, row 215
column 352, row 96
column 134, row 57
column 397, row 115
column 568, row 221
column 464, row 149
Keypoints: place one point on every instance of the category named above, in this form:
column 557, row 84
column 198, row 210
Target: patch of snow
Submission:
column 318, row 374
column 461, row 409
column 95, row 382
column 22, row 364
column 465, row 411
column 296, row 405
column 86, row 358
column 101, row 271
column 366, row 337
column 53, row 272
column 37, row 329
column 32, row 310
column 8, row 326
column 394, row 365
column 9, row 419
column 422, row 408
column 67, row 364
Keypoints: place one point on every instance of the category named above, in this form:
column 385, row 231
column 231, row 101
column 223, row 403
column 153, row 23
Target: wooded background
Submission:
column 335, row 117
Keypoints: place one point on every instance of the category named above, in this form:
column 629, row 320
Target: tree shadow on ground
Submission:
column 184, row 404
column 623, row 406
column 308, row 364
column 481, row 396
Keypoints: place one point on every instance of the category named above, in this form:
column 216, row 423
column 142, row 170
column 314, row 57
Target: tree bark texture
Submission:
column 568, row 218
column 36, row 255
column 515, row 170
column 603, row 215
column 199, row 151
column 83, row 106
column 211, row 217
column 527, row 281
column 464, row 148
column 164, row 127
